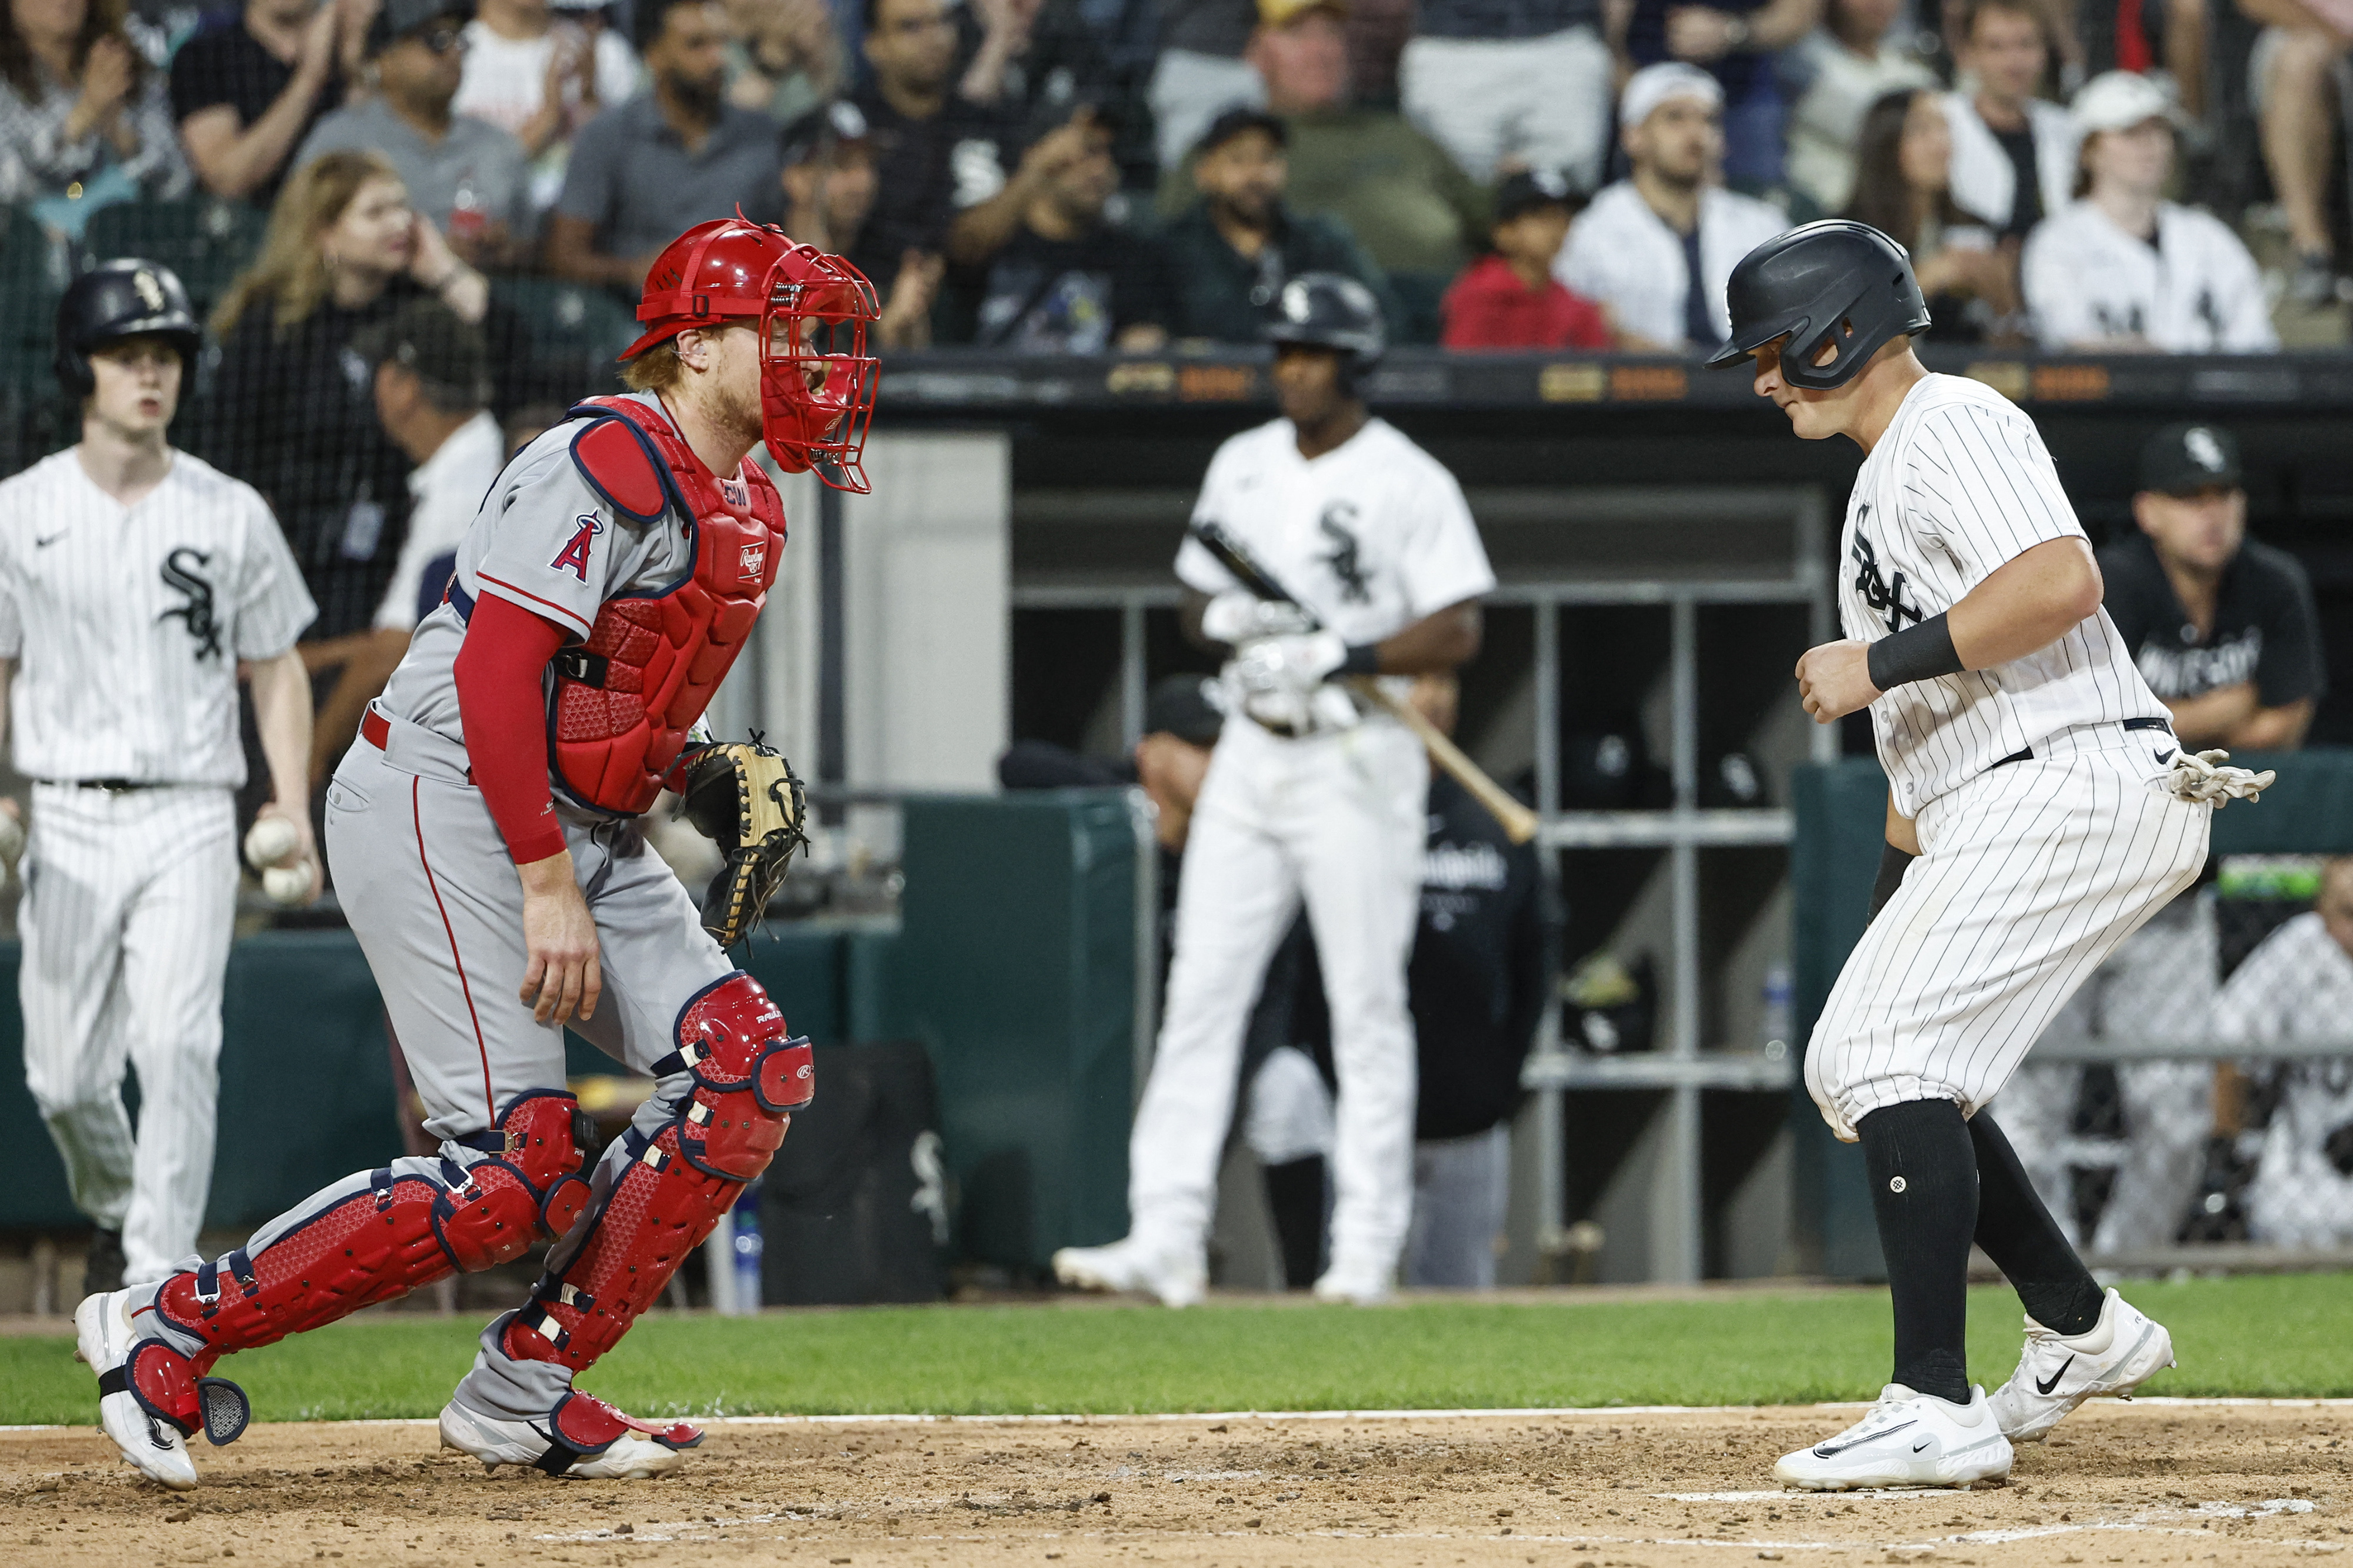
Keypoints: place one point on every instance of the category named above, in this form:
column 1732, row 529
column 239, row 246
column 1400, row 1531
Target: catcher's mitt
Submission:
column 745, row 799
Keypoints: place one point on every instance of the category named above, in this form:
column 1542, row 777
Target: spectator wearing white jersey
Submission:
column 539, row 77
column 2122, row 267
column 2013, row 153
column 1657, row 247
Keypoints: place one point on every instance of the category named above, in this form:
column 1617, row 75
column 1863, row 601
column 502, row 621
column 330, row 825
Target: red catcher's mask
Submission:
column 814, row 313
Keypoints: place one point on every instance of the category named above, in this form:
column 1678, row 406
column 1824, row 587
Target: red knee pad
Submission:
column 403, row 1232
column 748, row 1079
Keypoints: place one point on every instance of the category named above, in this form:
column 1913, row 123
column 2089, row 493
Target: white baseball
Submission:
column 270, row 842
column 288, row 884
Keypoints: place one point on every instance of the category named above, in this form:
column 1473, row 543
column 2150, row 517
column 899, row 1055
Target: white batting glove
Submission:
column 1279, row 676
column 2202, row 779
column 1234, row 617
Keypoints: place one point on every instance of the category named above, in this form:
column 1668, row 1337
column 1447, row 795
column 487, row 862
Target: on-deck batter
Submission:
column 133, row 579
column 488, row 851
column 1306, row 797
column 2040, row 811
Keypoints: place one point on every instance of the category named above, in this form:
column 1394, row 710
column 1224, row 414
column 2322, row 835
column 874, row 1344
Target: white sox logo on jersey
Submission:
column 1886, row 598
column 1344, row 560
column 180, row 574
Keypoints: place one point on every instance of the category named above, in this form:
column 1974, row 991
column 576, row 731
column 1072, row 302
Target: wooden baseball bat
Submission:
column 1518, row 822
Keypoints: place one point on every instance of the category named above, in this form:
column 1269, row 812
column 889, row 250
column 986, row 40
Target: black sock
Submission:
column 2017, row 1231
column 1923, row 1188
column 1294, row 1195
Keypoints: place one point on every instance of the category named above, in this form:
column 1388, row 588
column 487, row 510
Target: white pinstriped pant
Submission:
column 130, row 901
column 2030, row 875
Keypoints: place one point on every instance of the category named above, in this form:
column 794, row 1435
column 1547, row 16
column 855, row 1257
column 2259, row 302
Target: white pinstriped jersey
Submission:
column 1960, row 484
column 127, row 624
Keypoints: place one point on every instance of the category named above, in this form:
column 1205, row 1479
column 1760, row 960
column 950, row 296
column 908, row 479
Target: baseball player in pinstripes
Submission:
column 2040, row 811
column 134, row 581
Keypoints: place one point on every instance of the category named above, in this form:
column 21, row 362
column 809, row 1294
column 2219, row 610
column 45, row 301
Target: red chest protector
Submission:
column 624, row 700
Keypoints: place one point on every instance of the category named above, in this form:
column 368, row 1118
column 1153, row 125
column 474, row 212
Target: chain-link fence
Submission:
column 2194, row 1104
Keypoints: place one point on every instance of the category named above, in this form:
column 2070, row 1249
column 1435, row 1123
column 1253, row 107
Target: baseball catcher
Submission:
column 485, row 841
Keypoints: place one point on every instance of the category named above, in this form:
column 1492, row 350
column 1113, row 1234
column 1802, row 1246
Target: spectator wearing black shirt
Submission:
column 829, row 188
column 2221, row 626
column 1484, row 959
column 247, row 88
column 1232, row 253
column 1033, row 62
column 2013, row 153
column 1068, row 281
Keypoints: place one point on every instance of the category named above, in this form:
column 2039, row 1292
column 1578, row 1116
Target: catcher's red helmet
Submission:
column 816, row 376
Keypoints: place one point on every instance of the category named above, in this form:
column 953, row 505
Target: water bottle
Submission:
column 1776, row 1021
column 747, row 1250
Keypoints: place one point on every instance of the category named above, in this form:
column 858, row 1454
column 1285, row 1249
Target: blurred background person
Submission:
column 1734, row 42
column 2123, row 269
column 677, row 154
column 470, row 178
column 1199, row 72
column 1232, row 252
column 431, row 381
column 1034, row 63
column 1657, row 248
column 2013, row 153
column 1510, row 300
column 85, row 122
column 1486, row 955
column 829, row 178
column 1903, row 188
column 1512, row 84
column 247, row 87
column 2297, row 73
column 2297, row 986
column 1068, row 280
column 344, row 251
column 534, row 70
column 784, row 59
column 1833, row 74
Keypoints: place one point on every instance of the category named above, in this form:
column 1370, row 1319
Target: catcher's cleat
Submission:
column 581, row 1440
column 2124, row 1350
column 150, row 1398
column 1177, row 1278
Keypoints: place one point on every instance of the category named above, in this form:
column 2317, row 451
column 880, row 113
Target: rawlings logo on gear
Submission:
column 574, row 557
column 756, row 562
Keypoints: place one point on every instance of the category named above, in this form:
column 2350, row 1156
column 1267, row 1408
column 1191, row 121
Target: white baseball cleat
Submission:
column 1361, row 1284
column 105, row 1338
column 2124, row 1350
column 581, row 1440
column 1177, row 1278
column 1908, row 1440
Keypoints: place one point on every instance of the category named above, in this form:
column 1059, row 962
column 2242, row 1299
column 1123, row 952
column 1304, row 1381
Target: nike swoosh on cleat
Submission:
column 2043, row 1388
column 1922, row 1444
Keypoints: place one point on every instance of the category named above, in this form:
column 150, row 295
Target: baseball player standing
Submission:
column 2040, row 811
column 1307, row 796
column 486, row 849
column 134, row 582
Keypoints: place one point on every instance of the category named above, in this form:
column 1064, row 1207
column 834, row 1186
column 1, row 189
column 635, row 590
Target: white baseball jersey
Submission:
column 1370, row 537
column 445, row 492
column 127, row 624
column 1624, row 254
column 1960, row 484
column 2195, row 290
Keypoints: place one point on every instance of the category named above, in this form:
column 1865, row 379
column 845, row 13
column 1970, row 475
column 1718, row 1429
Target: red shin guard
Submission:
column 748, row 1079
column 405, row 1231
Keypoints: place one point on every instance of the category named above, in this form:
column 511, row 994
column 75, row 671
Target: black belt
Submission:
column 111, row 787
column 2026, row 753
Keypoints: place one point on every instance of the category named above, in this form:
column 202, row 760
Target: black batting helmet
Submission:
column 1333, row 310
column 1828, row 282
column 116, row 300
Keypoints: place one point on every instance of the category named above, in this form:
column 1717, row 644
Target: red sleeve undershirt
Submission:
column 503, row 707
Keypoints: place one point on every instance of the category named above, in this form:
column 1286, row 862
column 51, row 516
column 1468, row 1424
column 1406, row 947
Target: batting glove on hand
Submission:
column 1280, row 676
column 1234, row 617
column 2202, row 779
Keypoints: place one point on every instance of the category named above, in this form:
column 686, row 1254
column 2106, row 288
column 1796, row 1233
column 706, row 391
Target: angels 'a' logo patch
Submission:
column 755, row 561
column 573, row 556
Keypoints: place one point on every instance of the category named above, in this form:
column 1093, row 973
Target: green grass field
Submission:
column 2281, row 1336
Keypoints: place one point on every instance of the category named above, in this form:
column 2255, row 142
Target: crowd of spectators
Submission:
column 1099, row 175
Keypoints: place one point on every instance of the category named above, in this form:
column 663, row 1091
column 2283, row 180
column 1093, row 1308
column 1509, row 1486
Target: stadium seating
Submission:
column 206, row 240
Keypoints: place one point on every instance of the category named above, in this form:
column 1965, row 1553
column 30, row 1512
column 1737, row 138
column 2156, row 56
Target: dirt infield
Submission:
column 2147, row 1482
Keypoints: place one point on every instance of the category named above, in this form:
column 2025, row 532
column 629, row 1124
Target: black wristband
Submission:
column 1891, row 865
column 1364, row 658
column 1916, row 653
